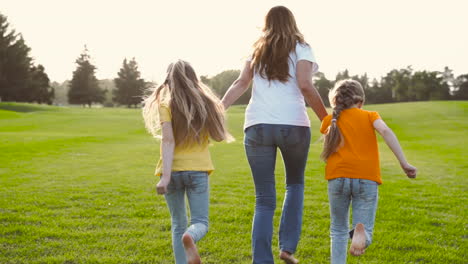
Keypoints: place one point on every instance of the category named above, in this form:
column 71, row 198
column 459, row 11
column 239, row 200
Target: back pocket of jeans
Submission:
column 335, row 186
column 198, row 183
column 295, row 135
column 368, row 189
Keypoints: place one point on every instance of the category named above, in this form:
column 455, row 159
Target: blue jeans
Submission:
column 364, row 195
column 261, row 143
column 195, row 184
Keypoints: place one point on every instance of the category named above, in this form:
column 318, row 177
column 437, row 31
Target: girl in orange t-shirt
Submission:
column 353, row 172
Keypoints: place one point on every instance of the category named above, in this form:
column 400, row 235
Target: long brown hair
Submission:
column 197, row 114
column 271, row 51
column 344, row 95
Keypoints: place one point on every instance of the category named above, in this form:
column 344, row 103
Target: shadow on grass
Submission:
column 26, row 108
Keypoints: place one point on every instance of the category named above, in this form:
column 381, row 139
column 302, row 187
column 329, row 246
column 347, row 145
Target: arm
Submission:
column 311, row 95
column 167, row 145
column 238, row 87
column 392, row 142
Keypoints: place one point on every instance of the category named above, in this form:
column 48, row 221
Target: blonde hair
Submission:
column 271, row 51
column 197, row 114
column 344, row 95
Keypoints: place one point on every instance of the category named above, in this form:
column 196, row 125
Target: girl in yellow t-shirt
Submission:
column 188, row 114
column 352, row 170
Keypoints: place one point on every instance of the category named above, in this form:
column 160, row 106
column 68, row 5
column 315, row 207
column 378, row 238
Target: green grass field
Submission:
column 77, row 186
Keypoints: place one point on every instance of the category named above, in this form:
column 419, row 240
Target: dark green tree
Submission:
column 40, row 90
column 15, row 64
column 400, row 82
column 129, row 85
column 371, row 92
column 382, row 92
column 84, row 87
column 427, row 85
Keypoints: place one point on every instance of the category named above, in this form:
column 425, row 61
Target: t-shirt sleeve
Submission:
column 325, row 124
column 373, row 116
column 305, row 52
column 164, row 113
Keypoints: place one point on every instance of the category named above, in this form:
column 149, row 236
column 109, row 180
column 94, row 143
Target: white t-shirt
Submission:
column 274, row 102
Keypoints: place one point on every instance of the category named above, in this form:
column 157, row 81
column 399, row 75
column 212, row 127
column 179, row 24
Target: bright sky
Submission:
column 362, row 35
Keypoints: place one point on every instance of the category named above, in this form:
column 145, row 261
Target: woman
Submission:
column 281, row 68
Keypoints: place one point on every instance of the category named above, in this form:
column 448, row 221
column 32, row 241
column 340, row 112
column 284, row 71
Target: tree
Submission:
column 428, row 86
column 20, row 80
column 15, row 64
column 221, row 82
column 342, row 75
column 40, row 90
column 84, row 87
column 129, row 84
column 323, row 86
column 461, row 89
column 449, row 78
column 400, row 82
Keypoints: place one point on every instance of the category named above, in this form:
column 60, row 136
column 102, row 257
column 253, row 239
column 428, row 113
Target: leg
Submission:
column 294, row 145
column 197, row 194
column 262, row 159
column 175, row 199
column 339, row 198
column 365, row 197
column 198, row 197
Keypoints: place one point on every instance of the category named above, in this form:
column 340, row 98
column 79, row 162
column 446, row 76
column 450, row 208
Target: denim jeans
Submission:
column 261, row 143
column 363, row 195
column 195, row 184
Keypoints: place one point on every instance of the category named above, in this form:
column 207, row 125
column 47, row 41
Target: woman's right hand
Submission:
column 161, row 187
column 410, row 170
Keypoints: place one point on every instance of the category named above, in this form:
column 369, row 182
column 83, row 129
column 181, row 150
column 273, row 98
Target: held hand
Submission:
column 410, row 170
column 161, row 187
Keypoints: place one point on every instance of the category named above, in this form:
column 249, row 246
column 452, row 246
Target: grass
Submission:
column 77, row 186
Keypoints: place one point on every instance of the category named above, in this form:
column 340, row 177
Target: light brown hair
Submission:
column 344, row 95
column 271, row 51
column 197, row 114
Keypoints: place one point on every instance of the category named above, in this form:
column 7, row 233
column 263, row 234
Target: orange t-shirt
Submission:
column 358, row 158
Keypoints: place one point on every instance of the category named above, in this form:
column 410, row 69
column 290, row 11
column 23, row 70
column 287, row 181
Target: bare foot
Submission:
column 358, row 244
column 190, row 250
column 288, row 258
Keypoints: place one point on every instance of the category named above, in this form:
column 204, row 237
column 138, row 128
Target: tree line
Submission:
column 399, row 85
column 23, row 81
column 404, row 85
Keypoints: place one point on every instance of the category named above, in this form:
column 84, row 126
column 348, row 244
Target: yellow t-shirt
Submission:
column 193, row 158
column 359, row 156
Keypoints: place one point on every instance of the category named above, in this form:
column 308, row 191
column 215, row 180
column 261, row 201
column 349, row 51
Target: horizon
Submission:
column 427, row 35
